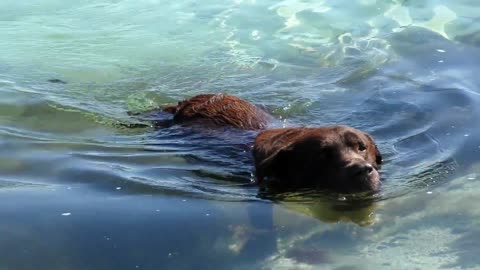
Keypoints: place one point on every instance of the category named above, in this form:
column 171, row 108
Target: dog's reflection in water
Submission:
column 356, row 208
column 288, row 226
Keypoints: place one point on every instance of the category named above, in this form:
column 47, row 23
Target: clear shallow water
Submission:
column 73, row 178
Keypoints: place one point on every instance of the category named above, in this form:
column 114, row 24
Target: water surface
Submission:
column 81, row 190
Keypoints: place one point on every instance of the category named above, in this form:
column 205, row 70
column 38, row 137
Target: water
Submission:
column 80, row 190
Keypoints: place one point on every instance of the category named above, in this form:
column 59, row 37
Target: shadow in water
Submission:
column 328, row 207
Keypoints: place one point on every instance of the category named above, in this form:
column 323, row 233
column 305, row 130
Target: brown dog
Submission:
column 220, row 110
column 338, row 158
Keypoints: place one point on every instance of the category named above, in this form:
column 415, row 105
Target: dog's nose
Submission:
column 361, row 169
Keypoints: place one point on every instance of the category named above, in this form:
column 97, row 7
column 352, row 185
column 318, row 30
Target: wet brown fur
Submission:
column 220, row 109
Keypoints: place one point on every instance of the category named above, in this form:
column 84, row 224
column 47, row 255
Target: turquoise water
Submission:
column 81, row 190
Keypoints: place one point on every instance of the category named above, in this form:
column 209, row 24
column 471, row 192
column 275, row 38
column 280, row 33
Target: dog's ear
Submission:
column 378, row 155
column 267, row 164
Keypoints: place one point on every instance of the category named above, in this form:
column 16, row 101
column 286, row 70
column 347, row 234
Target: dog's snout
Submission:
column 360, row 169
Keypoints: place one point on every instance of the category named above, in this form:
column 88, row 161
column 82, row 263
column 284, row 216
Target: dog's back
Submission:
column 221, row 110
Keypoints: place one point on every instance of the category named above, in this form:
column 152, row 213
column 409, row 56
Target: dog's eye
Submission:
column 362, row 147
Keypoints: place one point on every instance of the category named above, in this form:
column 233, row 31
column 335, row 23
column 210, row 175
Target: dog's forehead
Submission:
column 337, row 135
column 353, row 136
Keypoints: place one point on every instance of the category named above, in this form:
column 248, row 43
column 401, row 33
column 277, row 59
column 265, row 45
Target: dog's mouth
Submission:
column 372, row 180
column 369, row 182
column 359, row 176
column 358, row 182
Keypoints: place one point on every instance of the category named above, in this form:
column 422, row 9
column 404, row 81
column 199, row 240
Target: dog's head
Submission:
column 339, row 158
